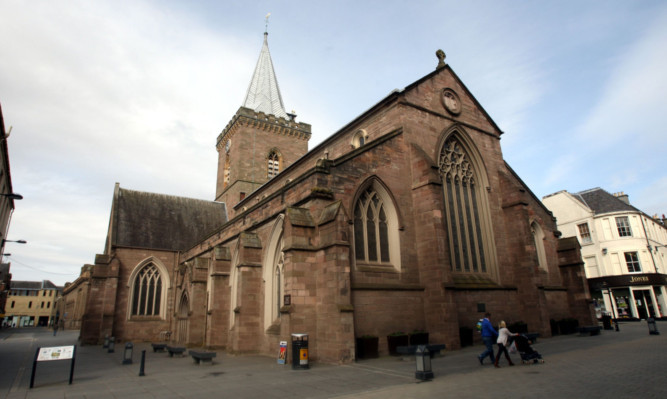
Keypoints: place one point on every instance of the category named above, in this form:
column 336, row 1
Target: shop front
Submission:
column 636, row 296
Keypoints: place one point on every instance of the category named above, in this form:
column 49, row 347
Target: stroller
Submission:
column 528, row 354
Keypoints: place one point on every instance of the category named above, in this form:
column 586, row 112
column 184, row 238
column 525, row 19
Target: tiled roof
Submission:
column 600, row 201
column 159, row 221
column 263, row 93
column 32, row 285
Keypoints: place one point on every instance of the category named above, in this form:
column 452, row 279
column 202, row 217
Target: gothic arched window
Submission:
column 376, row 228
column 273, row 164
column 538, row 238
column 465, row 205
column 147, row 291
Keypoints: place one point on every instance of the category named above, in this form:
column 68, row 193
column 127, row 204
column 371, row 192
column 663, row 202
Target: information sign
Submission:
column 55, row 353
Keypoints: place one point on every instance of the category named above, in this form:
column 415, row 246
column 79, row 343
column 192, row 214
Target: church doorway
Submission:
column 182, row 320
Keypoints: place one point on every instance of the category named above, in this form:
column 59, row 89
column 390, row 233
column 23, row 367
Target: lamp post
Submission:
column 12, row 196
column 423, row 363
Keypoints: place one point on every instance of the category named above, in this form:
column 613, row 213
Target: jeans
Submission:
column 488, row 341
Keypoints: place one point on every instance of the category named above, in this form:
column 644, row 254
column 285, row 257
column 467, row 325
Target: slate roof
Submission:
column 32, row 285
column 158, row 221
column 600, row 201
column 263, row 93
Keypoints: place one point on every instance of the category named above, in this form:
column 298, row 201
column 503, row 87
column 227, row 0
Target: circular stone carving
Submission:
column 451, row 101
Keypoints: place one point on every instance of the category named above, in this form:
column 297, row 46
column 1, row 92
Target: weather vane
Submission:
column 266, row 26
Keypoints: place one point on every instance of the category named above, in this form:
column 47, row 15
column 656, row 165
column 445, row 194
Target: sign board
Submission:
column 55, row 353
column 282, row 353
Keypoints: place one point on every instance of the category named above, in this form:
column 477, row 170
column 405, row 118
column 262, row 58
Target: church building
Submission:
column 408, row 218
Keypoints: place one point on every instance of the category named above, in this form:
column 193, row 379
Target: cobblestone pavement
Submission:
column 626, row 364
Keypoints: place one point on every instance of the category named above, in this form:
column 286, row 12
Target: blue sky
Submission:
column 136, row 92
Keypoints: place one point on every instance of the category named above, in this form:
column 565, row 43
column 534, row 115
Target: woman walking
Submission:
column 503, row 335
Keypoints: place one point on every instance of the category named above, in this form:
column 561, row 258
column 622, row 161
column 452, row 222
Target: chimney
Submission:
column 623, row 197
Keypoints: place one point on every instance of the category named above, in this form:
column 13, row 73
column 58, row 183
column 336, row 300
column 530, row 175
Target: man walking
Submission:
column 489, row 335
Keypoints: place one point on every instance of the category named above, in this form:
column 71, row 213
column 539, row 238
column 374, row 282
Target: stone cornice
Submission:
column 262, row 121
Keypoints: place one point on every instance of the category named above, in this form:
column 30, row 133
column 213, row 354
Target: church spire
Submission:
column 263, row 93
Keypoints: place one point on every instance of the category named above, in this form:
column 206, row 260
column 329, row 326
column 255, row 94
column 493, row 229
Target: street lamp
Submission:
column 17, row 241
column 12, row 196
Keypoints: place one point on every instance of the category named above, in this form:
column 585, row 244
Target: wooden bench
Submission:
column 433, row 349
column 175, row 350
column 159, row 347
column 590, row 330
column 202, row 357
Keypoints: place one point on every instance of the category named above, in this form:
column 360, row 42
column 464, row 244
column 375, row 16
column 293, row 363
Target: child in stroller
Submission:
column 528, row 354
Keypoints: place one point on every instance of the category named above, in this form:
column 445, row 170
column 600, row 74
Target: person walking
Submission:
column 503, row 334
column 489, row 335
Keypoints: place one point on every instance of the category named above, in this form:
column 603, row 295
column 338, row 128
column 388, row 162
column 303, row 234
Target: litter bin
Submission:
column 606, row 322
column 299, row 351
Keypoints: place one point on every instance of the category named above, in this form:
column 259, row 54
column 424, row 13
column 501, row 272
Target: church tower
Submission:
column 261, row 140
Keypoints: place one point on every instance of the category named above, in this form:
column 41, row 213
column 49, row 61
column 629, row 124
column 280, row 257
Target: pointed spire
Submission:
column 263, row 93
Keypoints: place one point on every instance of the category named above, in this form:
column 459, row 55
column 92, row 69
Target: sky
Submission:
column 136, row 92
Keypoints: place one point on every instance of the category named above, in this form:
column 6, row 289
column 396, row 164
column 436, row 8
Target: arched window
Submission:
column 376, row 228
column 465, row 208
column 147, row 292
column 273, row 164
column 359, row 139
column 147, row 285
column 538, row 238
column 274, row 275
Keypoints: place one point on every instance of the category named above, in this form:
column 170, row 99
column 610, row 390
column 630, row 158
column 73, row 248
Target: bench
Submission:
column 202, row 357
column 159, row 347
column 589, row 330
column 175, row 350
column 433, row 349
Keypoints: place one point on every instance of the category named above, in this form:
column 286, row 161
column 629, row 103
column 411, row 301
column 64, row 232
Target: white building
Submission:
column 623, row 250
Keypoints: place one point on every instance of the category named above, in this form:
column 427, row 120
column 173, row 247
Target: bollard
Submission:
column 106, row 342
column 127, row 354
column 652, row 327
column 112, row 345
column 143, row 361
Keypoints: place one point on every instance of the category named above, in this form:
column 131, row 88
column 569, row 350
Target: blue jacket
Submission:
column 487, row 329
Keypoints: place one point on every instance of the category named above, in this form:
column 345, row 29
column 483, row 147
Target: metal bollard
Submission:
column 143, row 361
column 652, row 327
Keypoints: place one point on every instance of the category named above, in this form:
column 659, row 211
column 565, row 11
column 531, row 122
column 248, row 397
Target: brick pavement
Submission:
column 627, row 364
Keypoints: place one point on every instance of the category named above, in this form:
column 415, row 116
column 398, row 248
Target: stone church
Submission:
column 408, row 218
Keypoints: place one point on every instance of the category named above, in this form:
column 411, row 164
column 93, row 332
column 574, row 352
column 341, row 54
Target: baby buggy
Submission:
column 528, row 354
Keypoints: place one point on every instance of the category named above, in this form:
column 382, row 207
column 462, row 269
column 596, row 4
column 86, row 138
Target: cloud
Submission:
column 104, row 92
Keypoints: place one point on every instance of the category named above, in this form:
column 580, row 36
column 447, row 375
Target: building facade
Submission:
column 408, row 218
column 7, row 197
column 31, row 304
column 623, row 249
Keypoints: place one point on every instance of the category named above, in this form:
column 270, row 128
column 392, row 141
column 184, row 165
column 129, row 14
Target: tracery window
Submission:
column 464, row 205
column 376, row 241
column 147, row 292
column 273, row 164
